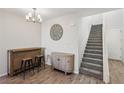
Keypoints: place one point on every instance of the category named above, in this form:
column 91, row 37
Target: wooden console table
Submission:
column 15, row 57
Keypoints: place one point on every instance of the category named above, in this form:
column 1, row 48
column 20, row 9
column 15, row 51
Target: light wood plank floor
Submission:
column 49, row 76
column 116, row 69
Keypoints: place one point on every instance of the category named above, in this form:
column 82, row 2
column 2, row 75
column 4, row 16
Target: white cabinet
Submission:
column 63, row 61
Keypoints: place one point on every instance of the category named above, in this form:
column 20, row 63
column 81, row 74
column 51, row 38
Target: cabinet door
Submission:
column 69, row 64
column 62, row 63
column 55, row 62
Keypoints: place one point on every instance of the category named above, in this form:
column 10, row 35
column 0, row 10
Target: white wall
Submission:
column 69, row 41
column 96, row 19
column 113, row 23
column 15, row 32
column 123, row 34
column 84, row 30
column 113, row 19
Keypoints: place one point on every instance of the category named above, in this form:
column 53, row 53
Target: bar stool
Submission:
column 26, row 64
column 39, row 59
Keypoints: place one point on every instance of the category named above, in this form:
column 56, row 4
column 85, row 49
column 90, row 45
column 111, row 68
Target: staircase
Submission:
column 92, row 62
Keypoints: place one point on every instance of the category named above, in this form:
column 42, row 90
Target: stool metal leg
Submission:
column 29, row 66
column 37, row 64
column 21, row 69
column 44, row 62
column 38, row 61
column 32, row 66
column 24, row 70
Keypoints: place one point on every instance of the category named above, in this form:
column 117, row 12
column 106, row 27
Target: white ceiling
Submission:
column 48, row 13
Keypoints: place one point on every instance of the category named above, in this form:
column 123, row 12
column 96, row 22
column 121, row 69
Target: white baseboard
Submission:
column 76, row 72
column 3, row 74
column 48, row 63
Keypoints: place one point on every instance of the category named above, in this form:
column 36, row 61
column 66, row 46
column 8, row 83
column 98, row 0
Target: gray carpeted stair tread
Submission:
column 92, row 55
column 92, row 66
column 98, row 65
column 93, row 51
column 94, row 59
column 95, row 39
column 90, row 72
column 94, row 43
column 93, row 71
column 91, row 46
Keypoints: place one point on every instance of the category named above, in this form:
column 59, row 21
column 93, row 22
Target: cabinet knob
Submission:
column 58, row 59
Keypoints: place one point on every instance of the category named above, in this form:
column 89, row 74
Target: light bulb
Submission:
column 40, row 20
column 38, row 16
column 30, row 14
column 33, row 19
column 27, row 17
